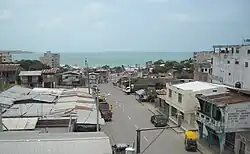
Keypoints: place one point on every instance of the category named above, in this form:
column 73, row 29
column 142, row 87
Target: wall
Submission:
column 6, row 57
column 227, row 72
column 189, row 102
column 24, row 79
column 237, row 116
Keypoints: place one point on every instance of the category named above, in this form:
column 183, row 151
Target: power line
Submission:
column 153, row 141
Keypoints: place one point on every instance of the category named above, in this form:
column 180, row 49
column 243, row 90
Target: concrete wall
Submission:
column 189, row 102
column 227, row 72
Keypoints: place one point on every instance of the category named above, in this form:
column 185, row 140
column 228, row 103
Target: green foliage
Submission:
column 32, row 65
column 117, row 69
column 106, row 67
column 188, row 63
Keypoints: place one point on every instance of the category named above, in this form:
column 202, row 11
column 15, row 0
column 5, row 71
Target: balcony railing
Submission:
column 210, row 122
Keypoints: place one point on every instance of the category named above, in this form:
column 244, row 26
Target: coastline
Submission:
column 111, row 58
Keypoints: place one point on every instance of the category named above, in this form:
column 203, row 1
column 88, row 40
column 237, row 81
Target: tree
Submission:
column 159, row 62
column 106, row 67
column 32, row 65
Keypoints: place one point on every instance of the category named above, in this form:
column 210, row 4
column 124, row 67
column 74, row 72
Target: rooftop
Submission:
column 50, row 71
column 19, row 123
column 54, row 143
column 9, row 67
column 30, row 73
column 197, row 86
column 225, row 98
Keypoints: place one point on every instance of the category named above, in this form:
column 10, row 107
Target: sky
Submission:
column 122, row 25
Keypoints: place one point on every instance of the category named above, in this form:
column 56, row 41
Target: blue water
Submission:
column 110, row 58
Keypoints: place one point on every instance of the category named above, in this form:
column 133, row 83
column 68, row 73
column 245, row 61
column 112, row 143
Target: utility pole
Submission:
column 138, row 132
column 87, row 69
column 97, row 110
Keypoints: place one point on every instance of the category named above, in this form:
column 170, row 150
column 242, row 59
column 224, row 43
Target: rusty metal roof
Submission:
column 226, row 98
column 9, row 67
column 50, row 71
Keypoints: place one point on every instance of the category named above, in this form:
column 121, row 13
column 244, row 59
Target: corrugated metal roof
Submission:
column 29, row 110
column 75, row 99
column 55, row 143
column 37, row 97
column 50, row 71
column 30, row 73
column 52, row 91
column 88, row 117
column 9, row 67
column 20, row 123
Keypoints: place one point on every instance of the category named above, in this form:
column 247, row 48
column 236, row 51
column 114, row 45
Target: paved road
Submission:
column 130, row 115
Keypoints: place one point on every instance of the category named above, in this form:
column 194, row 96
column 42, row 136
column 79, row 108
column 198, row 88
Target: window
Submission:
column 248, row 51
column 236, row 62
column 228, row 62
column 202, row 70
column 205, row 69
column 232, row 50
column 229, row 74
column 237, row 50
column 246, row 64
column 169, row 93
column 179, row 98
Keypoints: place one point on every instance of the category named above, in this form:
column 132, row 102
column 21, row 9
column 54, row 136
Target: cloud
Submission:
column 158, row 1
column 94, row 10
column 5, row 15
column 50, row 23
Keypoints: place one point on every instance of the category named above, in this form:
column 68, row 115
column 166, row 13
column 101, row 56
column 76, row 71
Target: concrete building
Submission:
column 202, row 66
column 51, row 59
column 50, row 78
column 230, row 65
column 203, row 71
column 180, row 99
column 5, row 57
column 31, row 78
column 221, row 116
column 203, row 56
column 73, row 78
column 9, row 73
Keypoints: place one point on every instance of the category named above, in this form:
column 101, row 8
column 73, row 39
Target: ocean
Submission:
column 109, row 58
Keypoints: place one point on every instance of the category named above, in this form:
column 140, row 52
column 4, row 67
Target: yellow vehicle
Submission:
column 191, row 138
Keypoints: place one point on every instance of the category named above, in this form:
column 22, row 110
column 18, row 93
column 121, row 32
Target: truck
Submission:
column 106, row 111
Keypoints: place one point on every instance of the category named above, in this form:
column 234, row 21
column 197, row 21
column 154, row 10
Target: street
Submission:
column 128, row 115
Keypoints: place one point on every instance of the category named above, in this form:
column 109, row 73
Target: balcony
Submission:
column 210, row 122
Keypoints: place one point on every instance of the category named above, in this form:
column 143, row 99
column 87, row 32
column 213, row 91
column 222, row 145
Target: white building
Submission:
column 5, row 57
column 51, row 59
column 180, row 99
column 203, row 56
column 231, row 65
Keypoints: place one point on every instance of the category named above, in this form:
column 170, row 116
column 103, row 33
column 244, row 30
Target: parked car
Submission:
column 159, row 120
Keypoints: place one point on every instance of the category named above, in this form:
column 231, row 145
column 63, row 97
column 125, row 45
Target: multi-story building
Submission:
column 31, row 78
column 221, row 116
column 9, row 72
column 203, row 56
column 50, row 78
column 180, row 99
column 230, row 65
column 202, row 66
column 51, row 59
column 5, row 57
